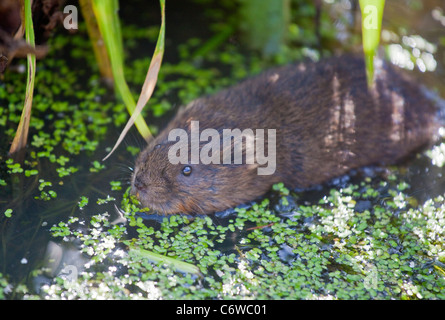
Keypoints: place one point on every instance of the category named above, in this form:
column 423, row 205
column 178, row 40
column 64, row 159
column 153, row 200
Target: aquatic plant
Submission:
column 108, row 25
column 372, row 13
column 21, row 136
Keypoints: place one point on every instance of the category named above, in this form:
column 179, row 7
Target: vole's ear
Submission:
column 252, row 166
column 189, row 123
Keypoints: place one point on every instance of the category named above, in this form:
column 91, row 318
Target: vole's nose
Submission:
column 138, row 184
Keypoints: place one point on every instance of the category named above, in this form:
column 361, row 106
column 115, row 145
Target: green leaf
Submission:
column 109, row 26
column 372, row 13
column 8, row 213
column 21, row 135
column 161, row 259
column 149, row 83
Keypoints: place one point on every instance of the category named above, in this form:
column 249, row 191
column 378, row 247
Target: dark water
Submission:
column 24, row 238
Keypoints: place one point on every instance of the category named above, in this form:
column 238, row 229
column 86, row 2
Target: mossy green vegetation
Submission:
column 318, row 250
column 370, row 238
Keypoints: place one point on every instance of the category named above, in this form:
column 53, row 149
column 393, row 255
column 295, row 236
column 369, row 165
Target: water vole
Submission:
column 326, row 122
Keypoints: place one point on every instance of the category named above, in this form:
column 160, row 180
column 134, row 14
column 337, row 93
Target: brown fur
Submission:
column 327, row 122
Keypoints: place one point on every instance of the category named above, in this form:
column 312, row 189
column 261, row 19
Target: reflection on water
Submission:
column 63, row 260
column 422, row 52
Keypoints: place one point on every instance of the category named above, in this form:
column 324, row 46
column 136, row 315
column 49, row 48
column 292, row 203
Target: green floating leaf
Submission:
column 157, row 258
column 8, row 213
column 29, row 173
column 440, row 270
column 83, row 202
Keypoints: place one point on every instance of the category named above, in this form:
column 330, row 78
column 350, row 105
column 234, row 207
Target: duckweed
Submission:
column 83, row 202
column 8, row 213
column 337, row 255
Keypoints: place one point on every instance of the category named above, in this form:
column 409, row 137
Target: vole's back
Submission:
column 327, row 120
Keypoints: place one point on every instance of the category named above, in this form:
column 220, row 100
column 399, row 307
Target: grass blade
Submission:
column 99, row 48
column 109, row 27
column 150, row 80
column 265, row 24
column 21, row 135
column 372, row 13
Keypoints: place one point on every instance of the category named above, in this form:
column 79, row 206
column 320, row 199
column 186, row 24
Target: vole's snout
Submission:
column 138, row 184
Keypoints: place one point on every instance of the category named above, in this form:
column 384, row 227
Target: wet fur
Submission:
column 327, row 122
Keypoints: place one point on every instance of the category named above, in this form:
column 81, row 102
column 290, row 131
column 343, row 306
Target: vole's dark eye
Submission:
column 187, row 170
column 156, row 146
